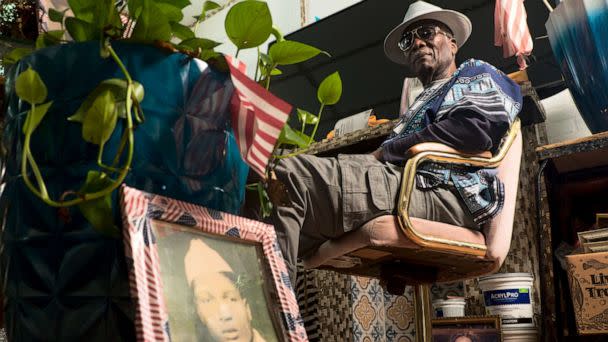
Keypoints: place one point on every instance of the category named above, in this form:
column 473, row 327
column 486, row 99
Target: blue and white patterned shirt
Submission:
column 470, row 111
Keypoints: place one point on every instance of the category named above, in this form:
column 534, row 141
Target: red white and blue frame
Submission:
column 140, row 208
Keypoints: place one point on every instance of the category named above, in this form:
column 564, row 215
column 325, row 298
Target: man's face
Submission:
column 430, row 56
column 222, row 309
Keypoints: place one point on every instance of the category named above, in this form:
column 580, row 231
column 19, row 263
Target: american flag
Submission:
column 257, row 117
column 511, row 30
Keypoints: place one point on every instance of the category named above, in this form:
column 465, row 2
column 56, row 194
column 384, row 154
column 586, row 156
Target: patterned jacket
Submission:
column 476, row 86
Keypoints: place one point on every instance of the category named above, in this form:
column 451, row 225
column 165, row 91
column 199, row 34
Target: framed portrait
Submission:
column 199, row 274
column 467, row 329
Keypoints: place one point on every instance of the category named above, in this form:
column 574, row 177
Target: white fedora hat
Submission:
column 458, row 23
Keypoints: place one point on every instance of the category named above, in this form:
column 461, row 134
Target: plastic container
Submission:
column 453, row 307
column 518, row 333
column 509, row 295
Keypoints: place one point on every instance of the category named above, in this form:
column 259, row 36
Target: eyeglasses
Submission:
column 426, row 33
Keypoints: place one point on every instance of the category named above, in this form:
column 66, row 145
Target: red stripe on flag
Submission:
column 257, row 117
column 263, row 152
column 269, row 139
column 511, row 30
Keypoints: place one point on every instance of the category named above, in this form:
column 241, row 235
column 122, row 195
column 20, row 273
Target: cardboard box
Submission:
column 588, row 277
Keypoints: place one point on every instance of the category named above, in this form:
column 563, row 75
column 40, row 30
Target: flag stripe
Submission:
column 257, row 117
column 511, row 30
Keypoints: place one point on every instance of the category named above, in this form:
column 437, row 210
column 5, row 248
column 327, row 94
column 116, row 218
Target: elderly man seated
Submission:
column 468, row 107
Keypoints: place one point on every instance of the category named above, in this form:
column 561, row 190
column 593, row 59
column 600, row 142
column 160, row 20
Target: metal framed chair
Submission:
column 402, row 250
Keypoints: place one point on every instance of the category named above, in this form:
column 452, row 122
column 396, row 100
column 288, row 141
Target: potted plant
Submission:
column 110, row 108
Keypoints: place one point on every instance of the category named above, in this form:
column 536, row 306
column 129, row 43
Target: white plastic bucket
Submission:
column 453, row 307
column 509, row 295
column 518, row 333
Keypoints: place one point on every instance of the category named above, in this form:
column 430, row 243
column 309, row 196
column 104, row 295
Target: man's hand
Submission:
column 378, row 154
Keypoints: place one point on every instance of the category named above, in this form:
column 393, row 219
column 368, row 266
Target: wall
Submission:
column 319, row 9
column 288, row 16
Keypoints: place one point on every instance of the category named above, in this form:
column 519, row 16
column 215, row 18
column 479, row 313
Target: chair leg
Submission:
column 422, row 313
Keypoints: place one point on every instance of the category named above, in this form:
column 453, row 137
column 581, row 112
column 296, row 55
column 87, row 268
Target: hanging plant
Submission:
column 248, row 25
column 143, row 21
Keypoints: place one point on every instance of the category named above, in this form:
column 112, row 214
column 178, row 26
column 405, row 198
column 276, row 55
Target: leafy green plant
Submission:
column 250, row 31
column 248, row 25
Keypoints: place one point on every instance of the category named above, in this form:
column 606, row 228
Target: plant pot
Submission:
column 63, row 279
column 577, row 31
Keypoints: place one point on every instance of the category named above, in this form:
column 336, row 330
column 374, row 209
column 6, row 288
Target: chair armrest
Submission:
column 441, row 153
column 439, row 147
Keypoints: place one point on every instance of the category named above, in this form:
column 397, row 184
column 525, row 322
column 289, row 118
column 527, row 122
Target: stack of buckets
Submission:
column 509, row 295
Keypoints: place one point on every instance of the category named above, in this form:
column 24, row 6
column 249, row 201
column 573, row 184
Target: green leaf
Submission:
column 170, row 12
column 289, row 136
column 207, row 6
column 81, row 30
column 120, row 96
column 248, row 24
column 84, row 9
column 182, row 32
column 49, row 38
column 307, row 117
column 30, row 88
column 99, row 211
column 181, row 4
column 35, row 116
column 95, row 181
column 289, row 52
column 15, row 55
column 99, row 123
column 150, row 26
column 330, row 90
column 208, row 54
column 195, row 43
column 138, row 91
column 135, row 7
column 101, row 14
column 104, row 48
column 210, row 5
column 118, row 88
column 265, row 203
column 106, row 15
column 275, row 72
column 266, row 59
column 56, row 16
column 277, row 34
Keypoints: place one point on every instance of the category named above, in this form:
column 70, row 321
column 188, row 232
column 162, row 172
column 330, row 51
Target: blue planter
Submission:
column 63, row 280
column 578, row 31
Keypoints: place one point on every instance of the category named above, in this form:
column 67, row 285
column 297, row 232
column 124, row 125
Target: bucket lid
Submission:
column 456, row 300
column 506, row 275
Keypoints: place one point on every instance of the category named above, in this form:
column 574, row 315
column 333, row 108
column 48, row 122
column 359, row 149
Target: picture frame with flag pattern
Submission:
column 467, row 329
column 198, row 274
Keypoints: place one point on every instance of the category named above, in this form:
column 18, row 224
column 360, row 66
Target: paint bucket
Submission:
column 509, row 295
column 452, row 307
column 518, row 333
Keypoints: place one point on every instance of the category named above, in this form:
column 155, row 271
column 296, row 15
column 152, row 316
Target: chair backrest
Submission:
column 499, row 230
